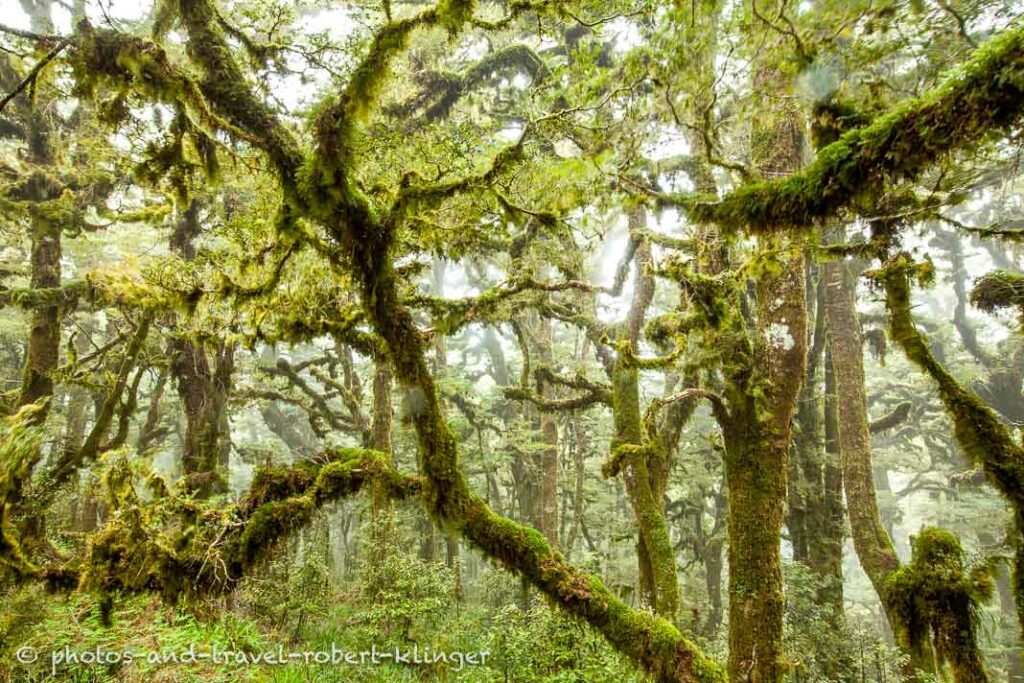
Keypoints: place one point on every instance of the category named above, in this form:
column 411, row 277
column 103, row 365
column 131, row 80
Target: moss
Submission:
column 225, row 88
column 650, row 641
column 321, row 188
column 20, row 444
column 270, row 522
column 45, row 297
column 440, row 91
column 999, row 289
column 979, row 431
column 936, row 597
column 983, row 98
column 193, row 550
column 894, row 418
column 984, row 438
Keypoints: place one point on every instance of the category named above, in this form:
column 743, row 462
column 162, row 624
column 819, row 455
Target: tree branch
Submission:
column 983, row 98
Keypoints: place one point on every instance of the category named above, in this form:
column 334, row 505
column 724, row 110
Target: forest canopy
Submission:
column 594, row 341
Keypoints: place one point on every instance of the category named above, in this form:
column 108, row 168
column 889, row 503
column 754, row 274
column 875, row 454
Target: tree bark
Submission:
column 873, row 545
column 203, row 390
column 642, row 474
column 758, row 439
column 43, row 351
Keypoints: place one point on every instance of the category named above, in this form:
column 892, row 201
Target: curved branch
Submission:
column 209, row 557
column 453, row 314
column 897, row 416
column 553, row 405
column 718, row 406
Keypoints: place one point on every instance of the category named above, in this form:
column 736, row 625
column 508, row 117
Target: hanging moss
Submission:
column 20, row 444
column 711, row 297
column 936, row 599
column 322, row 189
column 977, row 102
column 440, row 91
column 192, row 550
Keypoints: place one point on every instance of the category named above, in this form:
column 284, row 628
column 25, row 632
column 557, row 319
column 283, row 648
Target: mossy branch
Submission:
column 453, row 314
column 984, row 438
column 979, row 431
column 555, row 405
column 718, row 405
column 415, row 198
column 211, row 548
column 336, row 124
column 442, row 90
column 577, row 381
column 70, row 461
column 894, row 418
column 975, row 103
column 225, row 87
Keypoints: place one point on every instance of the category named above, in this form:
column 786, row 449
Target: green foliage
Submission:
column 571, row 653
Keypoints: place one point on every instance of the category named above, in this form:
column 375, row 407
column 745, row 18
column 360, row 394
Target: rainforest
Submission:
column 495, row 341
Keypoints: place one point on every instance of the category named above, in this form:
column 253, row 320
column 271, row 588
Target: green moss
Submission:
column 984, row 438
column 999, row 289
column 982, row 99
column 270, row 522
column 935, row 598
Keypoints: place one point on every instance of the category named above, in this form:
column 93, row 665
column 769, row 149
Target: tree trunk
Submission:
column 203, row 391
column 871, row 541
column 642, row 474
column 451, row 543
column 873, row 545
column 758, row 437
column 43, row 352
column 826, row 547
column 548, row 503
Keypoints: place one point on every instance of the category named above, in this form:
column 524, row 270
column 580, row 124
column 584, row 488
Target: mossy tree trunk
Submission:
column 548, row 489
column 805, row 490
column 982, row 435
column 644, row 467
column 699, row 48
column 763, row 399
column 382, row 513
column 757, row 447
column 42, row 353
column 203, row 388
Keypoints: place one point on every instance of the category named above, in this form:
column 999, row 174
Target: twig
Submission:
column 34, row 73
